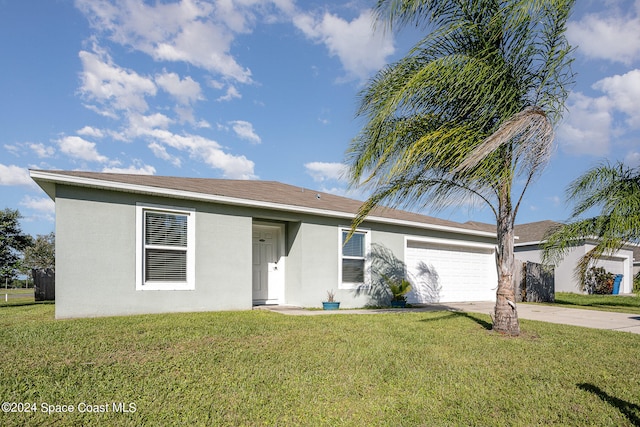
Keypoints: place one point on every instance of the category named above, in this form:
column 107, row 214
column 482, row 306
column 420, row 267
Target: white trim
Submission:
column 190, row 195
column 448, row 242
column 190, row 283
column 367, row 260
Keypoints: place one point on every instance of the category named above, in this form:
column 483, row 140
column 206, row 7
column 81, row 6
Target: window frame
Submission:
column 141, row 247
column 367, row 250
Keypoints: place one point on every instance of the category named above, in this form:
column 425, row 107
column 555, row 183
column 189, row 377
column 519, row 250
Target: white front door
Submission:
column 268, row 268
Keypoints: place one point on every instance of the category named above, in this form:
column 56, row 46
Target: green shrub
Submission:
column 636, row 283
column 598, row 281
column 399, row 289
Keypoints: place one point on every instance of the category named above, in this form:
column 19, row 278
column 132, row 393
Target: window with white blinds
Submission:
column 353, row 258
column 167, row 249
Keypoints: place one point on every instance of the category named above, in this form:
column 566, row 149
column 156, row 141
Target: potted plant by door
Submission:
column 399, row 291
column 330, row 303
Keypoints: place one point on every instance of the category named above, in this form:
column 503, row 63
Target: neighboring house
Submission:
column 527, row 248
column 131, row 244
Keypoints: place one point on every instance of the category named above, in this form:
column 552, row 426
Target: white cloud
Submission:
column 186, row 91
column 161, row 152
column 15, row 175
column 135, row 170
column 13, row 149
column 91, row 132
column 633, row 159
column 611, row 35
column 113, row 86
column 624, row 93
column 203, row 124
column 360, row 50
column 155, row 129
column 141, row 125
column 209, row 151
column 42, row 151
column 215, row 84
column 245, row 130
column 232, row 93
column 196, row 32
column 591, row 122
column 101, row 111
column 43, row 204
column 586, row 129
column 322, row 171
column 79, row 148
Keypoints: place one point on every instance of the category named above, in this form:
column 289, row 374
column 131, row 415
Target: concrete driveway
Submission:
column 567, row 316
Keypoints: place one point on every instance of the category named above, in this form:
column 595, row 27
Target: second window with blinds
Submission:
column 353, row 269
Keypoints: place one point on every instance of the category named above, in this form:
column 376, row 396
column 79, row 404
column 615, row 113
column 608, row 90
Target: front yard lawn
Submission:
column 16, row 296
column 263, row 368
column 616, row 303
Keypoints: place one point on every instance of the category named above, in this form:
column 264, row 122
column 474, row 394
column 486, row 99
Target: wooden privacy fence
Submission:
column 44, row 284
column 535, row 283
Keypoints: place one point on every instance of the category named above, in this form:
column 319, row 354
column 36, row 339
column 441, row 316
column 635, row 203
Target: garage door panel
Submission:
column 450, row 273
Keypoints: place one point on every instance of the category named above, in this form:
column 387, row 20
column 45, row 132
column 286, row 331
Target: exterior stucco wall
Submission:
column 564, row 271
column 313, row 261
column 96, row 257
column 313, row 248
column 565, row 280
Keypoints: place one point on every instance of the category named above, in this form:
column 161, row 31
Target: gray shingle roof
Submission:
column 533, row 231
column 271, row 192
column 491, row 228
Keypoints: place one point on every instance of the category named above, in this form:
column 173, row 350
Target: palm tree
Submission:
column 615, row 190
column 466, row 115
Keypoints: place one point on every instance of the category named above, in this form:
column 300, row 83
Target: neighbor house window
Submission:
column 353, row 258
column 165, row 253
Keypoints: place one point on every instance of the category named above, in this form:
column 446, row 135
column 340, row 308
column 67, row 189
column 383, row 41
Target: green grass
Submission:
column 16, row 296
column 262, row 368
column 615, row 303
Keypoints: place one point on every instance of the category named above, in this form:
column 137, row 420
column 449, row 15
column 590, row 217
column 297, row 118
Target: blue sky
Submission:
column 255, row 89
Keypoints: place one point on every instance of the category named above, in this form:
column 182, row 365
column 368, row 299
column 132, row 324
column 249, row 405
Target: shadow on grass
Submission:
column 628, row 409
column 451, row 314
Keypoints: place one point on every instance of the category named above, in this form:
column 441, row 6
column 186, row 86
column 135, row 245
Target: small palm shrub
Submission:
column 399, row 290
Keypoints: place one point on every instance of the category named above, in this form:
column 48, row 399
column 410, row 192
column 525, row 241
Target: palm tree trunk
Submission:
column 505, row 318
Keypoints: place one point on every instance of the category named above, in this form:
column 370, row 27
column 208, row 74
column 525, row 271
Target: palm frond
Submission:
column 615, row 191
column 529, row 130
column 470, row 107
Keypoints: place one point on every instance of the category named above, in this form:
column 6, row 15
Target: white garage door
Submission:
column 450, row 273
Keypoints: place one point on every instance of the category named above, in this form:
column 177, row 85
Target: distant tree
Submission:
column 467, row 114
column 614, row 190
column 42, row 254
column 12, row 242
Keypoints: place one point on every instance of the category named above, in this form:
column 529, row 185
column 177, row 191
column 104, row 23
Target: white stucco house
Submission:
column 133, row 244
column 528, row 248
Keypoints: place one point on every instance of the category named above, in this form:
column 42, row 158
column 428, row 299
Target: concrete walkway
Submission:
column 567, row 316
